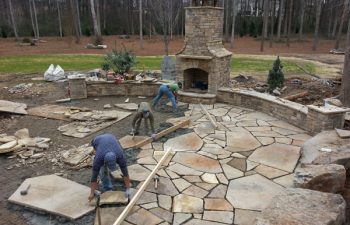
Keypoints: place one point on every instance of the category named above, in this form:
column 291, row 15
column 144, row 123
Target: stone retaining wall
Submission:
column 311, row 118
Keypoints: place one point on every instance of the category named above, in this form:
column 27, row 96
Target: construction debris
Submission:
column 127, row 106
column 20, row 88
column 77, row 156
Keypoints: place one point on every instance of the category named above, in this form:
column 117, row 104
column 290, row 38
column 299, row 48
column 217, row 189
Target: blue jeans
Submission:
column 164, row 90
column 109, row 166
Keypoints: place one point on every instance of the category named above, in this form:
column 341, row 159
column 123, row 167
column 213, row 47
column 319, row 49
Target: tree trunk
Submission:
column 289, row 21
column 94, row 19
column 265, row 24
column 280, row 16
column 13, row 19
column 348, row 34
column 227, row 24
column 32, row 18
column 104, row 14
column 345, row 84
column 98, row 15
column 317, row 23
column 335, row 25
column 272, row 22
column 330, row 22
column 74, row 16
column 78, row 16
column 340, row 29
column 36, row 20
column 141, row 35
column 302, row 12
column 286, row 14
column 233, row 23
column 59, row 18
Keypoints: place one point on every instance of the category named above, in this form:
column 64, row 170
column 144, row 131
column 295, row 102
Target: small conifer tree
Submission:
column 276, row 77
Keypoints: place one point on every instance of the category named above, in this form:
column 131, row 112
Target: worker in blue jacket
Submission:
column 108, row 153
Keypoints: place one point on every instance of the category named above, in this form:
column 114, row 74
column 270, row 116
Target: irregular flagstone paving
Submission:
column 226, row 175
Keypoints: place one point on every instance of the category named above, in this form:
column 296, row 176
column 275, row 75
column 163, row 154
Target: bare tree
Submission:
column 280, row 17
column 272, row 21
column 13, row 22
column 161, row 10
column 290, row 13
column 32, row 19
column 265, row 24
column 345, row 84
column 78, row 16
column 36, row 20
column 74, row 17
column 317, row 24
column 302, row 12
column 140, row 14
column 94, row 20
column 233, row 23
column 59, row 18
column 341, row 24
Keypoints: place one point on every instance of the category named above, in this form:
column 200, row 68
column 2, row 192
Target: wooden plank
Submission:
column 164, row 132
column 141, row 190
column 208, row 116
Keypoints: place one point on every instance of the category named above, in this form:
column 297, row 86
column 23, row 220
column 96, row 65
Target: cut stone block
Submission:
column 231, row 173
column 147, row 197
column 218, row 192
column 285, row 181
column 186, row 142
column 197, row 221
column 252, row 192
column 209, row 178
column 187, row 204
column 280, row 156
column 343, row 133
column 13, row 107
column 205, row 186
column 217, row 204
column 219, row 216
column 184, row 170
column 304, row 207
column 197, row 162
column 218, row 111
column 113, row 197
column 165, row 201
column 55, row 195
column 238, row 163
column 76, row 156
column 283, row 131
column 285, row 125
column 241, row 141
column 165, row 187
column 179, row 218
column 270, row 172
column 266, row 140
column 181, row 184
column 163, row 214
column 195, row 191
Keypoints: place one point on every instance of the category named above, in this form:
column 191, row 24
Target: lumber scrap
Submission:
column 141, row 190
column 296, row 96
column 164, row 132
column 210, row 118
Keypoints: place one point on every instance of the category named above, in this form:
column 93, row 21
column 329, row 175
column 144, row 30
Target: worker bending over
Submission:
column 108, row 153
column 170, row 90
column 143, row 112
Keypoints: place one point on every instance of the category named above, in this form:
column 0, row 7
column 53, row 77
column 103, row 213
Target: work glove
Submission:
column 128, row 193
column 154, row 136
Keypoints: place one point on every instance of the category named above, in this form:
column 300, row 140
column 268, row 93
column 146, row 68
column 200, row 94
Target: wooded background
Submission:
column 284, row 19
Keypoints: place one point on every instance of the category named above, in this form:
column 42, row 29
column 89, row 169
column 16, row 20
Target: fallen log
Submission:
column 296, row 96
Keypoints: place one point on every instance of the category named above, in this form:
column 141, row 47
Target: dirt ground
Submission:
column 154, row 46
column 44, row 93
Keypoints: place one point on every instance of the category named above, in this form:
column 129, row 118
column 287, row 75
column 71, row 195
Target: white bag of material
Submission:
column 54, row 73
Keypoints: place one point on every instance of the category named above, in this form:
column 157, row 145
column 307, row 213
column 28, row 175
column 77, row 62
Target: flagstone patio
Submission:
column 225, row 175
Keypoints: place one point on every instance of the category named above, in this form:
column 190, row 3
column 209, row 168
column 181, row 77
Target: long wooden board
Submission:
column 164, row 132
column 210, row 118
column 141, row 190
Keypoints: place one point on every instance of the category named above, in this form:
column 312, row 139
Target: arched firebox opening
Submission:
column 195, row 80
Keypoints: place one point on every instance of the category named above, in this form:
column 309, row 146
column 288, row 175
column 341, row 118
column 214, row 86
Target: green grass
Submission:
column 39, row 63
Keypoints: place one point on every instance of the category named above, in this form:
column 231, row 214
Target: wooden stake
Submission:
column 209, row 116
column 164, row 132
column 141, row 190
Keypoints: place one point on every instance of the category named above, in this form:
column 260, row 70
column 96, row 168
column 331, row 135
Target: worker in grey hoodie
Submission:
column 143, row 112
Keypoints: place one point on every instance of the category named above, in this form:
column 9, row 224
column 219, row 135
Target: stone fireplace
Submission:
column 203, row 65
